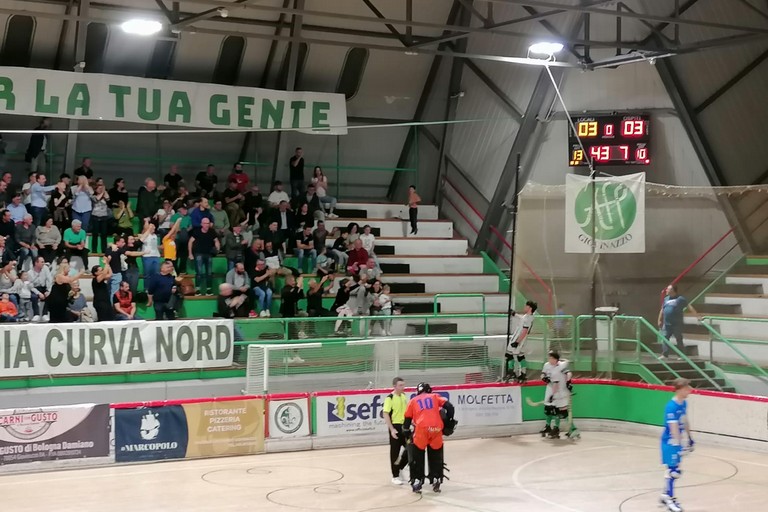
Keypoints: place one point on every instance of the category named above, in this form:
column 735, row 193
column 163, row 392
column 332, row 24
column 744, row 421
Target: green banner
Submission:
column 90, row 96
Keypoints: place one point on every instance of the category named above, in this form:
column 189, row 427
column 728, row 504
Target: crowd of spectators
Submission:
column 45, row 245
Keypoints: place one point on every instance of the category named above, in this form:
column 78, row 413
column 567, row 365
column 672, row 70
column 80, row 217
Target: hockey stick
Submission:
column 532, row 403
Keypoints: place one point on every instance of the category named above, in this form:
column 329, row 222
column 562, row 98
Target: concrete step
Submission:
column 396, row 228
column 434, row 264
column 740, row 289
column 747, row 305
column 714, row 307
column 384, row 210
column 421, row 246
column 494, row 303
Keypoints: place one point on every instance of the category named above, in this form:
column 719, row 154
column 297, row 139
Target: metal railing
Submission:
column 717, row 337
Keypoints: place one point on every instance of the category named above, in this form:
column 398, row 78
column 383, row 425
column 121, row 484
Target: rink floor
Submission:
column 601, row 472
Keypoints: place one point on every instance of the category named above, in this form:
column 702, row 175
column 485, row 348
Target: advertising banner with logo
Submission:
column 288, row 418
column 225, row 428
column 54, row 433
column 106, row 347
column 608, row 213
column 150, row 434
column 487, row 406
column 350, row 412
column 41, row 92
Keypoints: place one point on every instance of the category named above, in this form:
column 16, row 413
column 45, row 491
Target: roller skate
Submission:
column 545, row 431
column 416, row 486
column 671, row 503
column 573, row 434
column 436, row 485
column 522, row 378
column 554, row 433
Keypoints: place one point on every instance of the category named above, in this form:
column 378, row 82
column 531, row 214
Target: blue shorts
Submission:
column 670, row 455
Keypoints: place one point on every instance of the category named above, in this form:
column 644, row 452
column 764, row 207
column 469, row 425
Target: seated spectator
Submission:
column 272, row 256
column 356, row 292
column 315, row 296
column 173, row 179
column 325, row 265
column 371, row 271
column 47, row 239
column 278, row 195
column 25, row 240
column 304, row 218
column 74, row 242
column 358, row 257
column 320, row 235
column 229, row 305
column 240, row 282
column 339, row 251
column 354, row 234
column 118, row 193
column 239, row 178
column 253, row 206
column 124, row 218
column 78, row 306
column 320, row 181
column 313, row 201
column 8, row 277
column 24, row 290
column 17, row 209
column 235, row 243
column 305, row 246
column 262, row 277
column 206, row 181
column 369, row 242
column 125, row 307
column 8, row 310
column 162, row 292
column 233, row 200
column 57, row 302
column 101, row 217
column 285, row 221
column 202, row 246
column 85, row 170
column 102, row 298
column 252, row 254
column 220, row 218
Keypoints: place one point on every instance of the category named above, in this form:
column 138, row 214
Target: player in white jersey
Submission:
column 519, row 329
column 557, row 396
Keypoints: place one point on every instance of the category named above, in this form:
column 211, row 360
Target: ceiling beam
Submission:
column 400, row 37
column 738, row 77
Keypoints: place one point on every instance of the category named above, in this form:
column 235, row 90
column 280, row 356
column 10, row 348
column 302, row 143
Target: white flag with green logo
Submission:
column 611, row 216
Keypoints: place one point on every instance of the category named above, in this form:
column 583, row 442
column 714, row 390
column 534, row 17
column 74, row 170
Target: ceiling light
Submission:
column 548, row 49
column 141, row 27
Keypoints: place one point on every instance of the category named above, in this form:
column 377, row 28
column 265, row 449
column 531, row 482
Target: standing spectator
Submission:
column 320, row 235
column 413, row 209
column 8, row 230
column 315, row 296
column 169, row 242
column 124, row 218
column 320, row 181
column 369, row 242
column 26, row 189
column 173, row 179
column 101, row 217
column 229, row 305
column 220, row 218
column 202, row 246
column 114, row 254
column 38, row 199
column 297, row 173
column 262, row 277
column 102, row 298
column 252, row 254
column 358, row 257
column 74, row 243
column 199, row 212
column 17, row 209
column 38, row 145
column 339, row 251
column 133, row 251
column 161, row 289
column 47, row 239
column 234, row 246
column 291, row 294
column 61, row 200
column 163, row 218
column 25, row 240
column 382, row 306
column 5, row 253
column 148, row 201
column 125, row 307
column 151, row 259
column 278, row 195
column 233, row 199
column 671, row 319
column 5, row 194
column 305, row 245
column 82, row 204
column 394, row 414
column 182, row 238
column 206, row 181
column 84, row 169
column 58, row 299
column 7, row 178
column 25, row 291
column 42, row 280
column 181, row 198
column 239, row 177
column 118, row 193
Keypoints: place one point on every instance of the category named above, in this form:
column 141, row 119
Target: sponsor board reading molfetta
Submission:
column 350, row 414
column 150, row 434
column 288, row 418
column 487, row 406
column 53, row 433
column 215, row 429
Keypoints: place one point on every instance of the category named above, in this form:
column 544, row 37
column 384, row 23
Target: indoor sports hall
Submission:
column 360, row 255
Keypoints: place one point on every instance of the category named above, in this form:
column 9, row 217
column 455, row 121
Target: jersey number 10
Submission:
column 425, row 403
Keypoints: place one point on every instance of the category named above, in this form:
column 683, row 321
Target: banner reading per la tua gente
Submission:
column 114, row 347
column 54, row 433
column 154, row 433
column 233, row 427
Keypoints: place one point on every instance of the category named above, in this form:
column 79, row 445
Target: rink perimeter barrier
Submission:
column 87, row 434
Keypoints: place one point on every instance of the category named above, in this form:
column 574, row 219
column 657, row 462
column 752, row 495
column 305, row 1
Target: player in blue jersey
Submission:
column 674, row 442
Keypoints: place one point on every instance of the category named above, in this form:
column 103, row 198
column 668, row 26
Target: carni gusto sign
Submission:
column 114, row 347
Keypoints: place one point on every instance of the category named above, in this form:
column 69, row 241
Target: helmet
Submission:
column 423, row 387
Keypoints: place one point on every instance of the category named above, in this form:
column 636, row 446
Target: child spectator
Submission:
column 413, row 209
column 325, row 265
column 8, row 310
column 369, row 242
column 382, row 306
column 24, row 289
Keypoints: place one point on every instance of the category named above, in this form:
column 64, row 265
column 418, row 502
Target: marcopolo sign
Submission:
column 57, row 349
column 94, row 96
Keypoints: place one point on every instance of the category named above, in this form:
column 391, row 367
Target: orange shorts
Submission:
column 428, row 436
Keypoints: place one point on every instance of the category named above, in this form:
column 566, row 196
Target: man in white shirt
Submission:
column 42, row 280
column 278, row 195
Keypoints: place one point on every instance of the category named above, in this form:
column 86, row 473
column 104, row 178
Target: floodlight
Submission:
column 546, row 48
column 141, row 27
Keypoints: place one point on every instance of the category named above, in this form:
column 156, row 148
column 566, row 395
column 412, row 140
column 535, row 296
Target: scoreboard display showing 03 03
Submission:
column 620, row 139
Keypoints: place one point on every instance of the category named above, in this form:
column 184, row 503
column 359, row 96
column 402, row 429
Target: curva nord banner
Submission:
column 114, row 347
column 54, row 433
column 607, row 213
column 92, row 96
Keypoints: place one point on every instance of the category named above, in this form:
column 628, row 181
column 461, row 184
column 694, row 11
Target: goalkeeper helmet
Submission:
column 423, row 387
